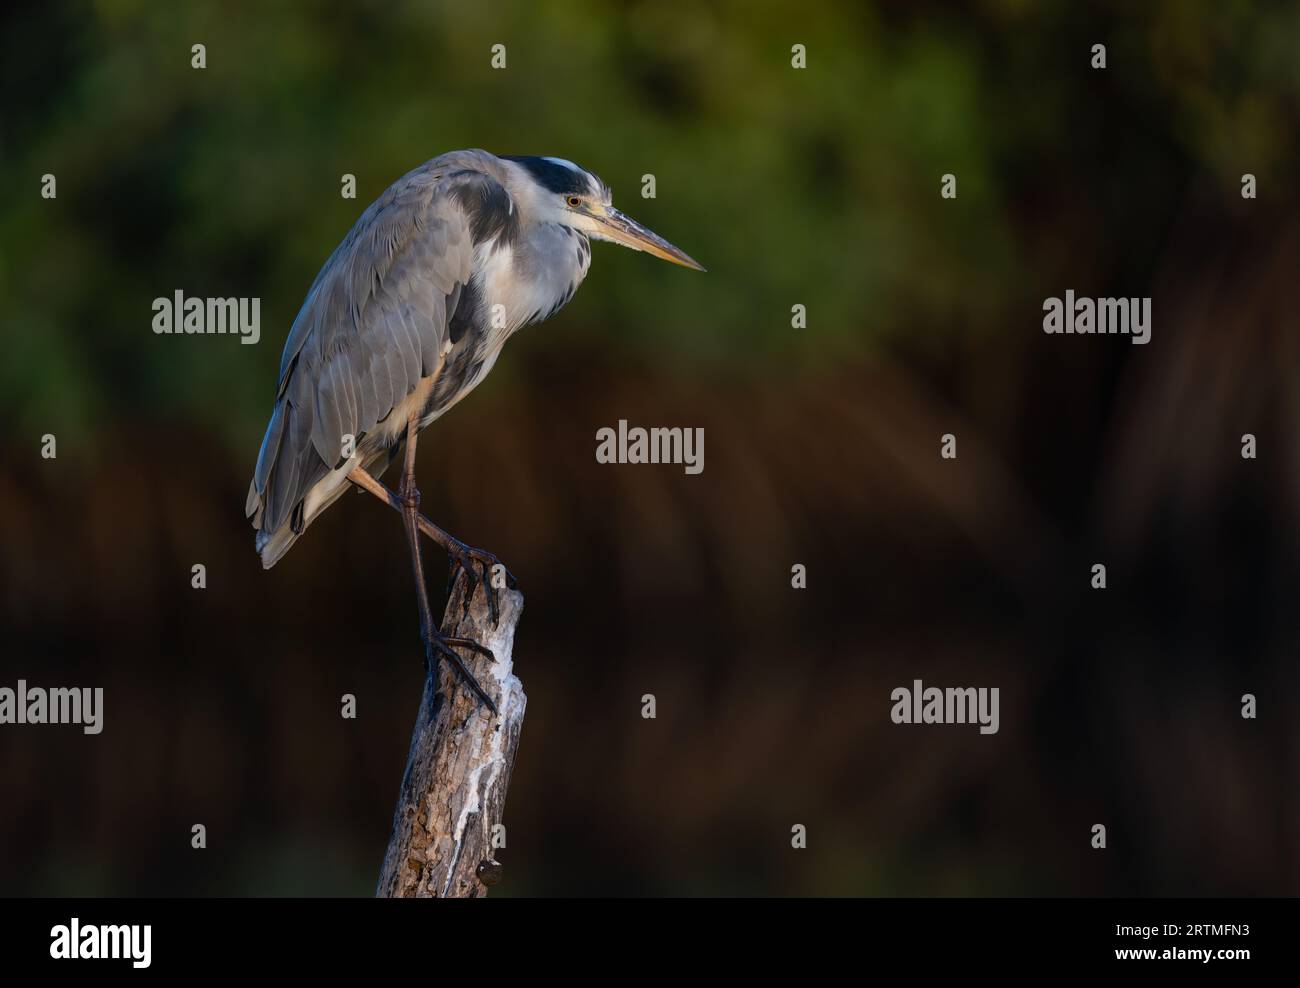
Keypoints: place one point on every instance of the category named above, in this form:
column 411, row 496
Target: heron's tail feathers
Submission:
column 287, row 471
column 272, row 545
column 273, row 542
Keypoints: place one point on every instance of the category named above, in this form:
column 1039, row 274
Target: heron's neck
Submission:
column 549, row 264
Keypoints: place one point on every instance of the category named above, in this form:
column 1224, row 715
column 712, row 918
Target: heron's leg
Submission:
column 462, row 555
column 435, row 643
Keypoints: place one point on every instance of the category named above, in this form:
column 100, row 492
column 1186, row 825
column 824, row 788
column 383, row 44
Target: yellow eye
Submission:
column 574, row 202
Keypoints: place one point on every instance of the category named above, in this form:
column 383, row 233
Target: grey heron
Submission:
column 406, row 317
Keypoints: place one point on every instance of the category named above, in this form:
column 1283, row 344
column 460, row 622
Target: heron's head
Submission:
column 554, row 190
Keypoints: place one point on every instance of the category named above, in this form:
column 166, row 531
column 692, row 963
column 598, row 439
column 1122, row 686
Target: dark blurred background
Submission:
column 818, row 187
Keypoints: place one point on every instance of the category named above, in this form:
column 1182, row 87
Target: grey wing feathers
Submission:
column 373, row 324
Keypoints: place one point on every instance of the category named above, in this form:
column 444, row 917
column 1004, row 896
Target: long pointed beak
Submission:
column 628, row 232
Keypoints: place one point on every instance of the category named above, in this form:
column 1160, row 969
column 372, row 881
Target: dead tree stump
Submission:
column 454, row 790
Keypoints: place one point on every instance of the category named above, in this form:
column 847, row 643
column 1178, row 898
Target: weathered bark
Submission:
column 454, row 791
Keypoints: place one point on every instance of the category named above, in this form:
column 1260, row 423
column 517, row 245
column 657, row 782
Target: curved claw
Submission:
column 490, row 595
column 471, row 644
column 442, row 646
column 464, row 557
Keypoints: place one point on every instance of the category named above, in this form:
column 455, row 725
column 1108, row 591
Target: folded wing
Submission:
column 374, row 323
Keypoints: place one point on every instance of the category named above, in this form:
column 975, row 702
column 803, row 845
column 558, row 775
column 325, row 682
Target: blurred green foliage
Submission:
column 817, row 186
